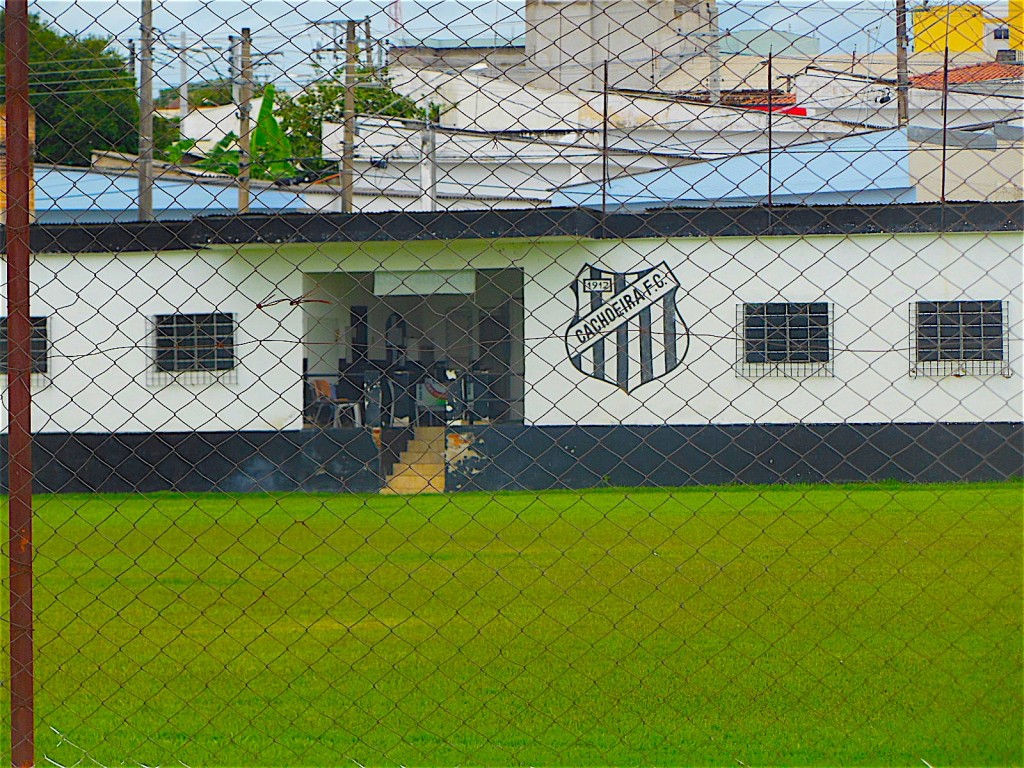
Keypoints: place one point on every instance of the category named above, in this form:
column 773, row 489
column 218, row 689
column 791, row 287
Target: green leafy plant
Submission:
column 302, row 117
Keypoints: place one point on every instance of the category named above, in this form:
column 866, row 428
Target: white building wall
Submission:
column 858, row 99
column 869, row 279
column 99, row 309
column 99, row 304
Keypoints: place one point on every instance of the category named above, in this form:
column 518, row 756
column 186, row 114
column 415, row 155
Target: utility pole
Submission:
column 132, row 61
column 945, row 116
column 236, row 93
column 771, row 116
column 428, row 167
column 183, row 88
column 145, row 162
column 715, row 55
column 902, row 73
column 604, row 141
column 349, row 134
column 244, row 112
column 369, row 43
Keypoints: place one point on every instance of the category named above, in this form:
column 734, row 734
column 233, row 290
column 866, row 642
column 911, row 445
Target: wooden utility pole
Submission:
column 145, row 161
column 244, row 122
column 902, row 73
column 349, row 133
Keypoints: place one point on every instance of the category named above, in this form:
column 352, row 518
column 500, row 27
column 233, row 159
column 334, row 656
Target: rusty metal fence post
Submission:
column 19, row 170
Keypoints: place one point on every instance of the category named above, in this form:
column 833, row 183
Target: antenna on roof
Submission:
column 394, row 12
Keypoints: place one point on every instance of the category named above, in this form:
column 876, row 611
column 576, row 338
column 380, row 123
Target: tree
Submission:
column 302, row 117
column 209, row 93
column 83, row 93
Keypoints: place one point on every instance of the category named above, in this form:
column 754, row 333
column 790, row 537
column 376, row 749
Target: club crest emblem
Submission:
column 627, row 329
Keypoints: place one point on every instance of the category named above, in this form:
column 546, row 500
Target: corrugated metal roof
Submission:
column 869, row 168
column 71, row 194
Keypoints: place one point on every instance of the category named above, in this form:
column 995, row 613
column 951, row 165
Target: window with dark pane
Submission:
column 202, row 342
column 785, row 332
column 960, row 331
column 38, row 345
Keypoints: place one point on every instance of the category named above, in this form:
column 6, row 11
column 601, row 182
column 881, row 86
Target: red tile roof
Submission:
column 757, row 98
column 972, row 73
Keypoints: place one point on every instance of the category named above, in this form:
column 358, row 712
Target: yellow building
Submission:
column 1016, row 23
column 965, row 27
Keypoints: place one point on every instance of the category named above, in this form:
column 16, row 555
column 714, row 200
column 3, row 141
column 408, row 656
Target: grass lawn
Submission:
column 829, row 625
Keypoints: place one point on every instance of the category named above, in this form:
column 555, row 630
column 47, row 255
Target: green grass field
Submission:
column 861, row 625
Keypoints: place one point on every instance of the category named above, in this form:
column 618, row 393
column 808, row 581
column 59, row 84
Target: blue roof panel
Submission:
column 867, row 168
column 71, row 194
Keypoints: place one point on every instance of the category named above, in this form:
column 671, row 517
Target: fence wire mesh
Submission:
column 550, row 382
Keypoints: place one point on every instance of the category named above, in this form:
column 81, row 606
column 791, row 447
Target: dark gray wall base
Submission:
column 238, row 462
column 511, row 457
column 520, row 458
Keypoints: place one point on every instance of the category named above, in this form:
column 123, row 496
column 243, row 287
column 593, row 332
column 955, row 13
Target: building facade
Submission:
column 672, row 329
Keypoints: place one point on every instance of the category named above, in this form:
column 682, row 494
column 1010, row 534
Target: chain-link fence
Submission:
column 548, row 382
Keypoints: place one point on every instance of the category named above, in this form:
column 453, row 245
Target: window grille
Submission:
column 784, row 339
column 193, row 348
column 39, row 346
column 959, row 338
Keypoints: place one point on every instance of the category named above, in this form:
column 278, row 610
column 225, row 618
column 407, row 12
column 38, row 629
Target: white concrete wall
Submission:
column 869, row 279
column 571, row 39
column 477, row 102
column 208, row 125
column 99, row 307
column 99, row 304
column 854, row 99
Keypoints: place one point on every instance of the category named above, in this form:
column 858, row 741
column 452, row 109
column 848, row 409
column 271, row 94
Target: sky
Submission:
column 287, row 33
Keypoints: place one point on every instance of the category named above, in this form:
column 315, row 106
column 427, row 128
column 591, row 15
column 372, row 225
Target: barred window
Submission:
column 39, row 345
column 785, row 339
column 200, row 342
column 959, row 337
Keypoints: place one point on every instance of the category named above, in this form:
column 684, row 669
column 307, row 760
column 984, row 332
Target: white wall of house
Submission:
column 208, row 125
column 389, row 156
column 869, row 279
column 477, row 102
column 858, row 99
column 98, row 307
column 100, row 378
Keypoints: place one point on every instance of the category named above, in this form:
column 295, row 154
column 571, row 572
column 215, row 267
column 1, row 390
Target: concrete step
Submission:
column 409, row 485
column 419, row 469
column 421, row 458
column 422, row 446
column 434, row 436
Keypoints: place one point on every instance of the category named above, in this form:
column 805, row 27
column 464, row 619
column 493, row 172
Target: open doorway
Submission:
column 423, row 347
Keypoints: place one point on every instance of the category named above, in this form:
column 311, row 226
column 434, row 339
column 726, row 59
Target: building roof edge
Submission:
column 526, row 224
